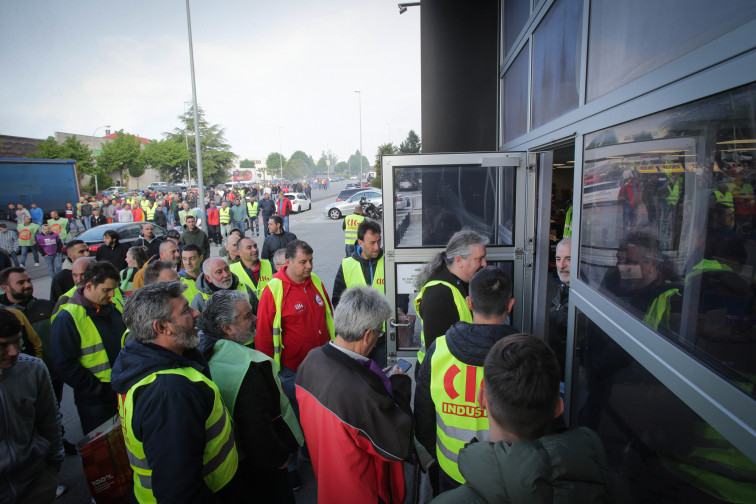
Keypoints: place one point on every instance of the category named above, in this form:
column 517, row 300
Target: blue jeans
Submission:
column 87, row 221
column 349, row 249
column 14, row 257
column 239, row 226
column 286, row 222
column 25, row 250
column 254, row 224
column 53, row 264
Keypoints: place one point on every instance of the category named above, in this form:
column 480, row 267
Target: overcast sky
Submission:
column 293, row 64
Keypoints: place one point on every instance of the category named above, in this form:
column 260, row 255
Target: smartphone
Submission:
column 403, row 365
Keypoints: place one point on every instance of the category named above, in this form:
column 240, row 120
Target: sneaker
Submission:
column 294, row 480
column 36, row 264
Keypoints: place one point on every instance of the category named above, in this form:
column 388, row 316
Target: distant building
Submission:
column 17, row 147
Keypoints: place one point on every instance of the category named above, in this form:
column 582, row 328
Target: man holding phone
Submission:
column 357, row 421
column 447, row 412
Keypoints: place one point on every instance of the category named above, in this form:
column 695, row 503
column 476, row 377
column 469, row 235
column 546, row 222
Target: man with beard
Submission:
column 251, row 270
column 168, row 251
column 558, row 311
column 266, row 428
column 86, row 338
column 217, row 276
column 277, row 239
column 112, row 249
column 195, row 235
column 64, row 281
column 178, row 432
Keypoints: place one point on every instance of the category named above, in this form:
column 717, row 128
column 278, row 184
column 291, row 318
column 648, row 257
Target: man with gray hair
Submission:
column 357, row 420
column 217, row 276
column 178, row 432
column 160, row 271
column 443, row 285
column 558, row 311
column 266, row 428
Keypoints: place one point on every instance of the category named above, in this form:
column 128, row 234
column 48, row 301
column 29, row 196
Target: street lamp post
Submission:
column 280, row 154
column 200, row 181
column 359, row 94
column 188, row 168
column 97, row 188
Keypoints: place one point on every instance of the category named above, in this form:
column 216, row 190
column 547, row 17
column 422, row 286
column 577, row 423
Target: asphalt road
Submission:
column 327, row 240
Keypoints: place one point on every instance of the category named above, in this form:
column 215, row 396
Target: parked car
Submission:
column 347, row 193
column 352, row 185
column 298, row 202
column 128, row 232
column 114, row 191
column 401, row 202
column 345, row 207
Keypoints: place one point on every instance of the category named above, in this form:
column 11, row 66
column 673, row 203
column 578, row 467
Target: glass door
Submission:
column 429, row 197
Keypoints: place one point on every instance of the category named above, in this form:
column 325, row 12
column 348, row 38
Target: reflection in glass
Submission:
column 516, row 13
column 438, row 201
column 408, row 337
column 556, row 61
column 667, row 226
column 629, row 39
column 666, row 452
column 515, row 97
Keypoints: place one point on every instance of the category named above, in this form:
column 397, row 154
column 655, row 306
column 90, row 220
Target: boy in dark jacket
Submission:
column 521, row 463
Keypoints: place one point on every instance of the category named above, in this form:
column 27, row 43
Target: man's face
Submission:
column 300, row 267
column 169, row 252
column 563, row 262
column 34, row 205
column 371, row 245
column 148, row 231
column 53, row 215
column 243, row 328
column 637, row 267
column 186, row 206
column 46, row 228
column 80, row 250
column 100, row 294
column 77, row 272
column 190, row 223
column 9, row 350
column 273, row 227
column 27, row 220
column 182, row 323
column 19, row 287
column 267, row 196
column 192, row 262
column 475, row 261
column 107, row 239
column 219, row 275
column 231, row 246
column 168, row 275
column 248, row 251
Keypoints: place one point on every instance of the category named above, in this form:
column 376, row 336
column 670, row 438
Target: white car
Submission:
column 299, row 202
column 339, row 209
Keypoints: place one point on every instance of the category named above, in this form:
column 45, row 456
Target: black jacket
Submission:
column 468, row 343
column 558, row 324
column 169, row 418
column 61, row 283
column 437, row 309
column 368, row 272
column 266, row 208
column 274, row 242
column 153, row 247
column 99, row 220
column 115, row 255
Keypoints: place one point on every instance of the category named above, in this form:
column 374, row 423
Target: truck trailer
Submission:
column 50, row 183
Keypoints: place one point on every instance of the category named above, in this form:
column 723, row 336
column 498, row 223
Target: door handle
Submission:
column 393, row 323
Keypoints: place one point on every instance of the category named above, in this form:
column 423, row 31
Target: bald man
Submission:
column 77, row 272
column 216, row 276
column 229, row 250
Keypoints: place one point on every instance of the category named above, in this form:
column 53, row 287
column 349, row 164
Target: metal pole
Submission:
column 188, row 166
column 97, row 189
column 280, row 154
column 361, row 153
column 200, row 181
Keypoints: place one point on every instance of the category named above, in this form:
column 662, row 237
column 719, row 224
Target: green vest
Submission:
column 252, row 209
column 220, row 459
column 27, row 234
column 191, row 288
column 276, row 288
column 225, row 215
column 117, row 298
column 59, row 226
column 725, row 199
column 465, row 315
column 184, row 213
column 459, row 418
column 352, row 222
column 127, row 279
column 568, row 223
column 93, row 356
column 674, row 193
column 145, row 204
column 229, row 365
column 150, row 212
column 353, row 274
column 266, row 273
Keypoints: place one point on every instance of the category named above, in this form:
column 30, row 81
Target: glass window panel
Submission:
column 515, row 96
column 664, row 450
column 438, row 201
column 556, row 61
column 629, row 39
column 408, row 337
column 516, row 13
column 667, row 226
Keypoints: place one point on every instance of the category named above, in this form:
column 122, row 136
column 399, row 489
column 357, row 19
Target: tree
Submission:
column 411, row 144
column 72, row 148
column 121, row 154
column 383, row 150
column 217, row 158
column 274, row 162
column 341, row 167
column 354, row 163
column 247, row 163
column 299, row 166
column 169, row 158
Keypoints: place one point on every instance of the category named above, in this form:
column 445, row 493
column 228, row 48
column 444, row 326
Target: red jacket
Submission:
column 356, row 432
column 283, row 207
column 138, row 214
column 303, row 320
column 213, row 216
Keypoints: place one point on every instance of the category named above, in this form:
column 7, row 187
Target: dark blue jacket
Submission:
column 169, row 418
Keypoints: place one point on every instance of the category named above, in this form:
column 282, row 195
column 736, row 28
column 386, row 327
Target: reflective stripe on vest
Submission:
column 276, row 288
column 145, row 204
column 459, row 418
column 725, row 199
column 659, row 311
column 150, row 211
column 191, row 288
column 220, row 459
column 674, row 193
column 266, row 273
column 117, row 298
column 353, row 275
column 252, row 209
column 352, row 222
column 568, row 223
column 229, row 365
column 93, row 356
column 462, row 310
column 225, row 215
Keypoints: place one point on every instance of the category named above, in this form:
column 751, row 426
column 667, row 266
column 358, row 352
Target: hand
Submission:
column 396, row 370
